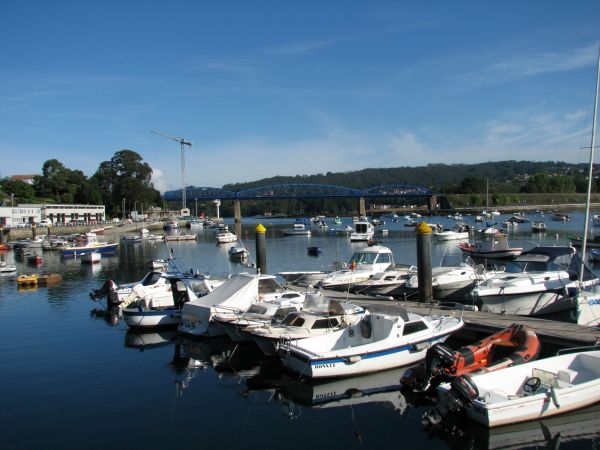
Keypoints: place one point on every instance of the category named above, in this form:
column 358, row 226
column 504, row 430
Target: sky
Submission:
column 270, row 87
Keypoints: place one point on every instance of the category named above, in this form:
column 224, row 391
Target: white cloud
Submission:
column 160, row 180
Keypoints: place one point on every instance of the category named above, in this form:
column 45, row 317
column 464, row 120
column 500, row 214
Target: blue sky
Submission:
column 265, row 88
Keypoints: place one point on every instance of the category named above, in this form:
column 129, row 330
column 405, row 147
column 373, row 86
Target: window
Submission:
column 257, row 309
column 325, row 323
column 414, row 327
column 268, row 285
column 282, row 312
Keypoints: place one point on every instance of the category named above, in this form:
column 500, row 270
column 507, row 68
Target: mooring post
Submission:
column 424, row 262
column 33, row 231
column 261, row 249
column 1, row 235
column 237, row 214
column 362, row 210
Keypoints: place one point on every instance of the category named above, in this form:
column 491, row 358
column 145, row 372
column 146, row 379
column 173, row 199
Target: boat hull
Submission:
column 135, row 318
column 105, row 249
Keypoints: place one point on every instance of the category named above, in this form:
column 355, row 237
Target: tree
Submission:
column 125, row 176
column 21, row 190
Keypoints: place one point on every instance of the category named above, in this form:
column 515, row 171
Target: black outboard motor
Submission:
column 461, row 394
column 103, row 292
column 438, row 358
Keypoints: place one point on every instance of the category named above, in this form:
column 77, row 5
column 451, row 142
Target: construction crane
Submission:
column 183, row 143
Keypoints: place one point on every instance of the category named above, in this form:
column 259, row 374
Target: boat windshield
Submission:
column 531, row 266
column 269, row 285
column 363, row 258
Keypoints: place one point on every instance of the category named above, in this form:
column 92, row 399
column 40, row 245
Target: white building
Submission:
column 20, row 216
column 64, row 214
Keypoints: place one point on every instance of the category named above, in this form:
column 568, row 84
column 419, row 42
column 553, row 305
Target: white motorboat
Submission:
column 495, row 247
column 448, row 282
column 535, row 390
column 154, row 282
column 234, row 297
column 319, row 315
column 91, row 258
column 225, row 236
column 180, row 237
column 7, row 268
column 451, row 235
column 363, row 231
column 91, row 244
column 377, row 342
column 36, row 242
column 390, row 282
column 538, row 227
column 266, row 312
column 541, row 281
column 297, row 231
column 155, row 237
column 362, row 265
column 145, row 309
column 158, row 264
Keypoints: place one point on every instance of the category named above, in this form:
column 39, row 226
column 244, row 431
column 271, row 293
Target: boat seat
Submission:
column 495, row 396
column 565, row 377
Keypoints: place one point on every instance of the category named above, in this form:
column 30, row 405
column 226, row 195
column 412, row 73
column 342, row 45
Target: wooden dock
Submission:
column 561, row 334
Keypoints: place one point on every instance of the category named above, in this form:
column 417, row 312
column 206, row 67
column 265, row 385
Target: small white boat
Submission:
column 363, row 231
column 225, row 236
column 144, row 231
column 234, row 297
column 451, row 235
column 377, row 342
column 538, row 227
column 530, row 391
column 134, row 239
column 155, row 237
column 296, row 232
column 180, row 237
column 91, row 258
column 158, row 264
column 7, row 268
column 495, row 247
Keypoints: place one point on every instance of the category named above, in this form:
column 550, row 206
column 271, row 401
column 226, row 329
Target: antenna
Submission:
column 183, row 143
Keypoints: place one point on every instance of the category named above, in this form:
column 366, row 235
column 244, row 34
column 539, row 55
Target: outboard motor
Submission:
column 438, row 359
column 104, row 291
column 461, row 394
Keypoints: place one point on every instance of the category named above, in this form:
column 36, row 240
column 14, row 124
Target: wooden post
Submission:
column 1, row 235
column 261, row 249
column 33, row 231
column 424, row 262
column 237, row 213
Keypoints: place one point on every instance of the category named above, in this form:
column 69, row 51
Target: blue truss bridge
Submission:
column 299, row 191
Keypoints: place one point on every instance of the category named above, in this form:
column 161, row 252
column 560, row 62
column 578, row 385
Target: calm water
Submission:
column 72, row 376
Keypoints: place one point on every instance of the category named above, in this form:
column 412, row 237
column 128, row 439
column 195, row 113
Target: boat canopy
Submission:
column 238, row 289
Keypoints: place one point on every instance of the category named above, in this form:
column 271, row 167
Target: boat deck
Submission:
column 562, row 334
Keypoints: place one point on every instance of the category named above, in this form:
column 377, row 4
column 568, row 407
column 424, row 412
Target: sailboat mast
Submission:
column 589, row 191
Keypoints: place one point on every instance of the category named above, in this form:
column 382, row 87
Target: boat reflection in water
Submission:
column 379, row 387
column 111, row 315
column 582, row 425
column 143, row 341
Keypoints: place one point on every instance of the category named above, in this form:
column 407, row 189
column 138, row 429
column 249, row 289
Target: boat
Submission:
column 515, row 344
column 7, row 268
column 4, row 247
column 296, row 232
column 158, row 264
column 538, row 227
column 361, row 266
column 133, row 239
column 389, row 283
column 531, row 391
column 451, row 235
column 238, row 251
column 377, row 342
column 49, row 279
column 448, row 282
column 319, row 315
column 91, row 258
column 496, row 248
column 225, row 236
column 28, row 280
column 233, row 297
column 155, row 237
column 314, row 251
column 558, row 217
column 29, row 243
column 180, row 237
column 541, row 281
column 363, row 231
column 91, row 245
column 196, row 224
column 143, row 309
column 265, row 312
column 596, row 219
column 577, row 241
column 35, row 260
column 171, row 225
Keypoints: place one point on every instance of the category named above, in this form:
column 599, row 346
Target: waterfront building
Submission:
column 19, row 216
column 62, row 214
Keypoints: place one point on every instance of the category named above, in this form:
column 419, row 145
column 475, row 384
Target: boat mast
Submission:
column 589, row 191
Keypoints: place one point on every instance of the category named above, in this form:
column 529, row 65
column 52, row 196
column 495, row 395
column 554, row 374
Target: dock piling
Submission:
column 424, row 262
column 261, row 249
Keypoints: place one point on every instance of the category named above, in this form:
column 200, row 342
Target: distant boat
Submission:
column 91, row 258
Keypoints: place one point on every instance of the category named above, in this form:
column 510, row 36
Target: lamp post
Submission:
column 12, row 199
column 123, row 208
column 196, row 207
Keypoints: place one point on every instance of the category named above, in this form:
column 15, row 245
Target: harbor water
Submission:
column 73, row 376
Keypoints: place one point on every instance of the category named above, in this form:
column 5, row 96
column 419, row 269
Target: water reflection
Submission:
column 549, row 433
column 111, row 315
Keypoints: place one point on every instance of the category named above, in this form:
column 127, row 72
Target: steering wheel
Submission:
column 532, row 385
